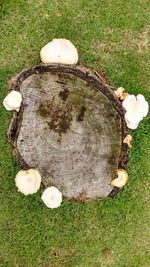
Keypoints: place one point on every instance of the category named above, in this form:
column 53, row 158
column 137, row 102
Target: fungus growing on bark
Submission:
column 120, row 93
column 13, row 101
column 136, row 109
column 28, row 181
column 59, row 51
column 127, row 140
column 121, row 180
column 52, row 197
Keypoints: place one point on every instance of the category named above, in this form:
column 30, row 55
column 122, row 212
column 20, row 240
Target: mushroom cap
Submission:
column 59, row 51
column 143, row 105
column 120, row 93
column 13, row 100
column 132, row 118
column 28, row 181
column 136, row 109
column 132, row 126
column 52, row 197
column 127, row 140
column 121, row 180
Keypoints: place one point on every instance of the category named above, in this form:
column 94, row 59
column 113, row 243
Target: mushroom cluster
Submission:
column 136, row 109
column 28, row 182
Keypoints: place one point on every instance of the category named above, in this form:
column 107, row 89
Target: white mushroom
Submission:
column 28, row 181
column 120, row 93
column 127, row 140
column 13, row 101
column 59, row 51
column 121, row 180
column 52, row 197
column 136, row 109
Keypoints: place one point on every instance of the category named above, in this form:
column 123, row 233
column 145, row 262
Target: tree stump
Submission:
column 70, row 127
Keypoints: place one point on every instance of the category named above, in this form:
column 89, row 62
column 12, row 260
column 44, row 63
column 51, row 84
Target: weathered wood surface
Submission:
column 70, row 131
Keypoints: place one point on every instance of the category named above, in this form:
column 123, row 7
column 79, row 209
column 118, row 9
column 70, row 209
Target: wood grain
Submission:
column 69, row 129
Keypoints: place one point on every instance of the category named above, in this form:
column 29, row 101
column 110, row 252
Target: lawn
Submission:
column 113, row 37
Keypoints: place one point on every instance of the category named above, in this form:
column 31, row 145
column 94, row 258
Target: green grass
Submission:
column 113, row 37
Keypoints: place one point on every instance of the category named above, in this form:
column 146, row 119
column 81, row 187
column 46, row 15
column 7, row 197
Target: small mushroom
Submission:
column 136, row 109
column 12, row 101
column 28, row 181
column 120, row 93
column 59, row 51
column 52, row 197
column 127, row 140
column 121, row 180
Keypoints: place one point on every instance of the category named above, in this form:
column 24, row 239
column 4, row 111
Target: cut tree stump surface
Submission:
column 70, row 127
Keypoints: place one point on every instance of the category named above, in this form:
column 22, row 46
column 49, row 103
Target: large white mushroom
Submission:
column 12, row 101
column 136, row 109
column 59, row 51
column 52, row 197
column 28, row 181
